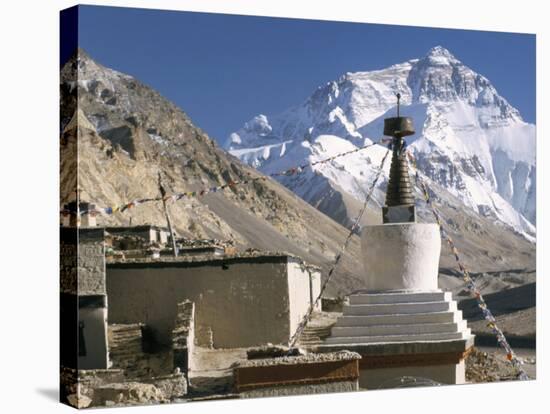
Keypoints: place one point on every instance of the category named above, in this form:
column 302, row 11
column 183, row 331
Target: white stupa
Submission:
column 402, row 324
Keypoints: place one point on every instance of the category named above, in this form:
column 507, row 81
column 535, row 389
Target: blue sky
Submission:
column 222, row 69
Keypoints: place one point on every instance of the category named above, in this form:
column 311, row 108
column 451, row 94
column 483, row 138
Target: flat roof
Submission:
column 204, row 260
column 310, row 358
column 139, row 227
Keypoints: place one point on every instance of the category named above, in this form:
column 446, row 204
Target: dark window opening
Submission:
column 81, row 340
column 150, row 343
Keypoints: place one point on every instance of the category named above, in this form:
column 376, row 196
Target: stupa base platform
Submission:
column 383, row 364
column 418, row 334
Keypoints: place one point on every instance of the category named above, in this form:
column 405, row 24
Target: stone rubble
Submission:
column 272, row 351
column 127, row 353
column 127, row 393
column 484, row 367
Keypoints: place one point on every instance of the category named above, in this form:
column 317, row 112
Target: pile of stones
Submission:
column 484, row 367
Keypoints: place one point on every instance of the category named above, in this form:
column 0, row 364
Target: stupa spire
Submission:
column 399, row 206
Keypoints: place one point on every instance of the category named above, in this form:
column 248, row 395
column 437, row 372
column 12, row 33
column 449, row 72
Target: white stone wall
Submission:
column 163, row 237
column 316, row 287
column 401, row 256
column 94, row 321
column 242, row 303
column 372, row 379
column 153, row 235
column 191, row 340
column 304, row 287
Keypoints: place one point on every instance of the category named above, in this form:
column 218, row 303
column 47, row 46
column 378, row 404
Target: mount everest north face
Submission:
column 471, row 145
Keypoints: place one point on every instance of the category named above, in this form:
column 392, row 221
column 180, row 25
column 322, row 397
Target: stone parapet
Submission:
column 286, row 375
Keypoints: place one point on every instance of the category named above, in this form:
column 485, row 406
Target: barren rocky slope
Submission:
column 128, row 133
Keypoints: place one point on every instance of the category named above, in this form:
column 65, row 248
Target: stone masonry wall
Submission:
column 183, row 336
column 127, row 353
column 82, row 298
column 68, row 262
column 82, row 261
column 91, row 262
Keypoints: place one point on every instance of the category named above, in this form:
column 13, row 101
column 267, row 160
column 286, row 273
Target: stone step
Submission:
column 310, row 342
column 381, row 298
column 317, row 328
column 304, row 338
column 397, row 338
column 316, row 334
column 399, row 308
column 408, row 329
column 403, row 319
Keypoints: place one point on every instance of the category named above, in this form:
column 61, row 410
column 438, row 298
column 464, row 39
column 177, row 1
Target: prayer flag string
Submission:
column 302, row 325
column 230, row 184
column 470, row 284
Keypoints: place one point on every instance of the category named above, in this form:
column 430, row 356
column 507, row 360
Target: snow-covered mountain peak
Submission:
column 345, row 106
column 469, row 139
column 442, row 79
column 441, row 53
